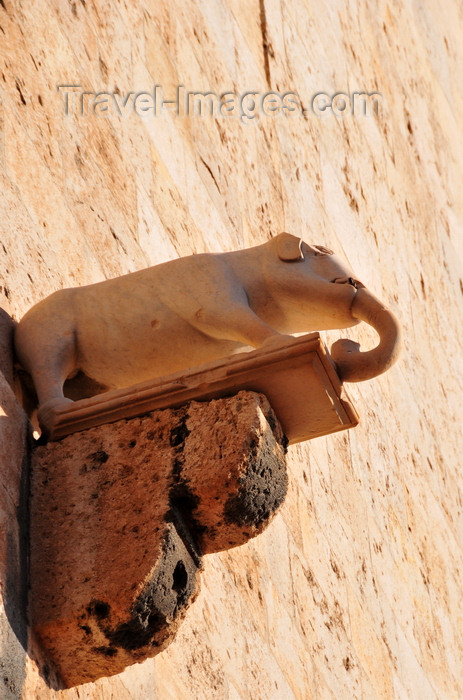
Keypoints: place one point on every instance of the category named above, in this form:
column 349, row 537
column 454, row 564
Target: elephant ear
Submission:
column 289, row 247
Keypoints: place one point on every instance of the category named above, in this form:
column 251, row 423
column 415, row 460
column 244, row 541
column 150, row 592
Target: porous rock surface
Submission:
column 120, row 515
column 229, row 506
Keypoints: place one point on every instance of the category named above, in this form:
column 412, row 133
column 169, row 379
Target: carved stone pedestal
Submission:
column 121, row 514
column 297, row 375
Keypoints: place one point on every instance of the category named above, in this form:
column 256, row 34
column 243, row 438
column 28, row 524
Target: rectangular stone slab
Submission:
column 297, row 376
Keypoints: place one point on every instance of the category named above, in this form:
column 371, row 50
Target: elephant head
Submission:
column 340, row 306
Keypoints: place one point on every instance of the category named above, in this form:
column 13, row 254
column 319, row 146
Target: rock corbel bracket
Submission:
column 121, row 514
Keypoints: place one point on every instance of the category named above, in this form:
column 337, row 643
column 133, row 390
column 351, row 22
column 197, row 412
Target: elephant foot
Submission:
column 277, row 339
column 47, row 412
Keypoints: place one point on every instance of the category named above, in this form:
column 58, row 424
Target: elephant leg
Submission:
column 219, row 306
column 257, row 333
column 49, row 358
column 250, row 329
column 238, row 323
column 49, row 380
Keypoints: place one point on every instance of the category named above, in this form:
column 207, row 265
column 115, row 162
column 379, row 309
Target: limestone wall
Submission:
column 355, row 590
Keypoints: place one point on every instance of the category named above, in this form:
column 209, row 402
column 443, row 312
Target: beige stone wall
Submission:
column 355, row 590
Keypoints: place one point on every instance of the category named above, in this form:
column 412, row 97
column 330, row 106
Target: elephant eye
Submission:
column 323, row 250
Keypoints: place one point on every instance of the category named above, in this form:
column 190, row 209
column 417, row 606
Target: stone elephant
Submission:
column 195, row 309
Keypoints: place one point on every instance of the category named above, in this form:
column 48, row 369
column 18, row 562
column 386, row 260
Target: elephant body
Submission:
column 180, row 314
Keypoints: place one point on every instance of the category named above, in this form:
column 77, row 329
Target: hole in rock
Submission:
column 180, row 577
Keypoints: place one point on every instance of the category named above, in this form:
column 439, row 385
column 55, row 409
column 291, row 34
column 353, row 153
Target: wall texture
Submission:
column 355, row 589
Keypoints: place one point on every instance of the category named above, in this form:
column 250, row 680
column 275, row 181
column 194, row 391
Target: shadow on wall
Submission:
column 15, row 640
column 14, row 494
column 13, row 621
column 16, row 444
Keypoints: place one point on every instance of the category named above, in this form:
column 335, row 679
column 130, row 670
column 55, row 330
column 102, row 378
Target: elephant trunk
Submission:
column 356, row 366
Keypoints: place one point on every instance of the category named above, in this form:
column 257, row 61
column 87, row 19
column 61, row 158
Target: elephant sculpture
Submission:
column 189, row 311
